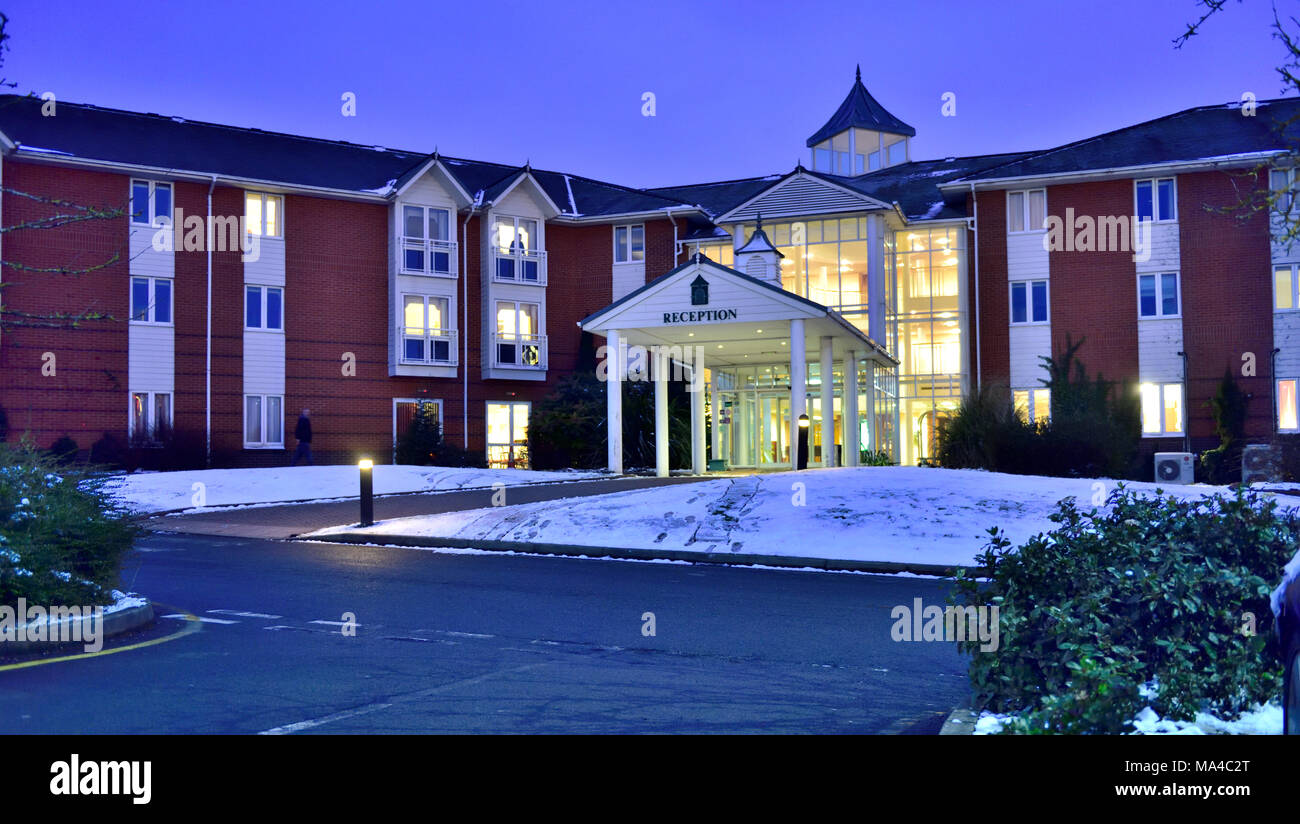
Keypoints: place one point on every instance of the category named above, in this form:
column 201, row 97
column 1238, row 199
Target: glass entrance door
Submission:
column 773, row 429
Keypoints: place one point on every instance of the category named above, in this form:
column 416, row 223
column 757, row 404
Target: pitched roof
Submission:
column 1204, row 133
column 862, row 110
column 95, row 133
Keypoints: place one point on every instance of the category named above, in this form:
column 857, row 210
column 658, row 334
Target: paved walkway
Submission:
column 285, row 521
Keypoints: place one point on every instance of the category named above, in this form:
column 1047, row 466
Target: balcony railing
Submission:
column 523, row 266
column 435, row 348
column 519, row 351
column 429, row 257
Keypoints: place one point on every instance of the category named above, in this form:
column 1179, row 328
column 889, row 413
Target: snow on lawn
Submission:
column 1264, row 719
column 900, row 514
column 162, row 491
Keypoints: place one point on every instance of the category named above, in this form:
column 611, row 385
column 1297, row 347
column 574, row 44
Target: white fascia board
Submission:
column 624, row 217
column 1154, row 169
column 197, row 176
column 463, row 198
column 868, row 201
column 524, row 175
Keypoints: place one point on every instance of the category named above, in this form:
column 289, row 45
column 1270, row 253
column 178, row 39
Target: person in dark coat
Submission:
column 303, row 433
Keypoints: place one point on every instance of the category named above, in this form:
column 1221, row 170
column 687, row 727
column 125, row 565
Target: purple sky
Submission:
column 739, row 86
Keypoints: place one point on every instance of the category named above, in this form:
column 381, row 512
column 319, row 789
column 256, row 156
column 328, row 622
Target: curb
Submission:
column 115, row 623
column 960, row 721
column 721, row 558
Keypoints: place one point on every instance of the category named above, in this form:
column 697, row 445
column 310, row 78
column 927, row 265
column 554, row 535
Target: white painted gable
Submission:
column 803, row 194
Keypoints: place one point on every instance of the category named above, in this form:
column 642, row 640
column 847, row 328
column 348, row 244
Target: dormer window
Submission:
column 427, row 244
column 518, row 253
column 860, row 137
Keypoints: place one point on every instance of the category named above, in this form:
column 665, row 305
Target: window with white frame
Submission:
column 151, row 203
column 151, row 300
column 1162, row 409
column 519, row 342
column 405, row 411
column 1288, row 416
column 264, row 308
column 426, row 330
column 151, row 416
column 263, row 214
column 1282, row 182
column 427, row 243
column 1027, row 211
column 896, row 153
column 1028, row 302
column 1156, row 199
column 263, row 421
column 518, row 249
column 629, row 244
column 1285, row 284
column 1032, row 404
column 1158, row 295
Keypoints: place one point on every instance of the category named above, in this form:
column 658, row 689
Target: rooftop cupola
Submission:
column 758, row 258
column 862, row 136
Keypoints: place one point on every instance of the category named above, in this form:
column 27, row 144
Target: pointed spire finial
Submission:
column 759, row 225
column 859, row 72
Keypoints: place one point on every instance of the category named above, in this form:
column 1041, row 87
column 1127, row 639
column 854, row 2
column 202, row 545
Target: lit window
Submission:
column 518, row 341
column 1162, row 409
column 1158, row 295
column 507, row 435
column 151, row 416
column 263, row 421
column 1029, row 301
column 1285, row 283
column 262, row 214
column 1156, row 199
column 151, row 300
column 151, row 203
column 1033, row 404
column 1288, row 417
column 426, row 336
column 264, row 308
column 1027, row 211
column 518, row 249
column 629, row 244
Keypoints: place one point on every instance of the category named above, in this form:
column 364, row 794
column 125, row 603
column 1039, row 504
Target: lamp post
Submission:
column 801, row 462
column 367, row 491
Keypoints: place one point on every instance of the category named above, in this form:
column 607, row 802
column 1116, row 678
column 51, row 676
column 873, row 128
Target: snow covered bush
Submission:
column 61, row 537
column 1146, row 593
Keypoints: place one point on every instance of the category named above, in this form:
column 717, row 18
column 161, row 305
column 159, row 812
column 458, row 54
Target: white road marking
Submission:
column 464, row 634
column 288, row 729
column 239, row 614
column 336, row 623
column 204, row 620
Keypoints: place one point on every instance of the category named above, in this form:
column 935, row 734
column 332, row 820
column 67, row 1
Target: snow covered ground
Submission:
column 900, row 514
column 1263, row 720
column 163, row 491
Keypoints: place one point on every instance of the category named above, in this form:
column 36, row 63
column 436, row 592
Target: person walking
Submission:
column 303, row 433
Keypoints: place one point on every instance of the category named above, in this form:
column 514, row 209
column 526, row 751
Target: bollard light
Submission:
column 367, row 491
column 801, row 461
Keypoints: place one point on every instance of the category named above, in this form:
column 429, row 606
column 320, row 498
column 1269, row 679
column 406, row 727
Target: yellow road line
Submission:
column 192, row 625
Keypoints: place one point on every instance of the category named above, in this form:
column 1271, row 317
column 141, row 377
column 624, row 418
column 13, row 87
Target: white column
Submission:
column 869, row 390
column 614, row 399
column 828, row 401
column 715, row 405
column 660, row 373
column 850, row 438
column 876, row 279
column 798, row 386
column 696, row 388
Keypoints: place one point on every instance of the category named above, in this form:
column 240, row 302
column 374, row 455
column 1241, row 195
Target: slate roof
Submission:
column 862, row 110
column 113, row 135
column 1202, row 133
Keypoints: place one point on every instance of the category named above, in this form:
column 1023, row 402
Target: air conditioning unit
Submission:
column 1174, row 467
column 1260, row 463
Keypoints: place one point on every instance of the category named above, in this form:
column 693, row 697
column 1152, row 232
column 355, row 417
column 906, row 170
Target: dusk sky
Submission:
column 739, row 86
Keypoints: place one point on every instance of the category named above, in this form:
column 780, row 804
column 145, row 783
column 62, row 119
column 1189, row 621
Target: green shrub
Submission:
column 878, row 458
column 64, row 450
column 1145, row 589
column 985, row 433
column 1222, row 465
column 422, row 443
column 108, row 452
column 61, row 537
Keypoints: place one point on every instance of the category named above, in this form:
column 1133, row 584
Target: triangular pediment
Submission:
column 802, row 193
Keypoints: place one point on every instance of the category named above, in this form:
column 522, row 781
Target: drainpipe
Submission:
column 464, row 309
column 974, row 227
column 207, row 368
column 677, row 246
column 1187, row 427
column 1272, row 386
